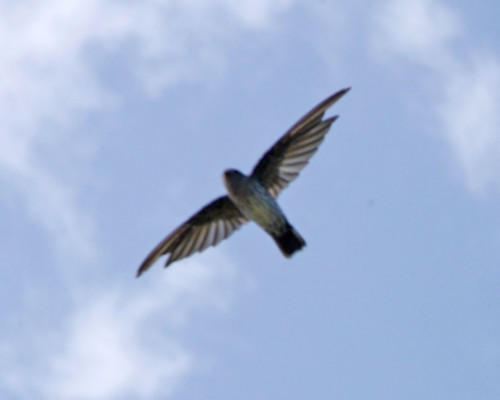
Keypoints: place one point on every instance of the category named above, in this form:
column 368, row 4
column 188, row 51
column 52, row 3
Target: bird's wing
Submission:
column 286, row 158
column 211, row 224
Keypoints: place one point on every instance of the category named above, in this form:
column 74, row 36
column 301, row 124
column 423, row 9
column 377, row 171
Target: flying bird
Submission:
column 253, row 197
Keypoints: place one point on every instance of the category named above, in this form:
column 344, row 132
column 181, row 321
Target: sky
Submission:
column 117, row 119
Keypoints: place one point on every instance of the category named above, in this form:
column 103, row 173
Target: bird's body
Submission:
column 253, row 197
column 254, row 201
column 256, row 204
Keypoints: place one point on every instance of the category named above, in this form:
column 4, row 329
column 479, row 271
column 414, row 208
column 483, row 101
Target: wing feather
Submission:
column 285, row 159
column 213, row 223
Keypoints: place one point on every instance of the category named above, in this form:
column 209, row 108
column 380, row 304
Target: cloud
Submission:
column 417, row 30
column 426, row 33
column 54, row 77
column 51, row 57
column 46, row 84
column 103, row 358
column 470, row 121
column 122, row 342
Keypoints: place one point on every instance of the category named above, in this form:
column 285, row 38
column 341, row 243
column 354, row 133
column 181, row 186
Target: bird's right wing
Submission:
column 285, row 159
column 213, row 223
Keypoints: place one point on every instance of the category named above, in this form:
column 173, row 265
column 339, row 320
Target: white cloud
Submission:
column 256, row 14
column 123, row 342
column 51, row 80
column 103, row 358
column 469, row 114
column 425, row 32
column 51, row 54
column 417, row 30
column 45, row 83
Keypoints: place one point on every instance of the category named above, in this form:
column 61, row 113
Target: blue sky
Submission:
column 117, row 120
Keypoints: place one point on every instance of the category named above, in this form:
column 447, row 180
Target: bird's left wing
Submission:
column 213, row 223
column 285, row 159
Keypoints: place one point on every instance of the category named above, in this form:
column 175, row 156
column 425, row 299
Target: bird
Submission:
column 253, row 197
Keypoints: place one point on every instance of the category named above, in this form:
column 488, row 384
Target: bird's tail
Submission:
column 289, row 240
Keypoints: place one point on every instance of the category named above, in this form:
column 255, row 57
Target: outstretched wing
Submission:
column 213, row 223
column 286, row 158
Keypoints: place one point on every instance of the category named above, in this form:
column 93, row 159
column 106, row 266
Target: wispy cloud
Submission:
column 426, row 33
column 46, row 85
column 123, row 341
column 52, row 52
column 104, row 358
column 51, row 80
column 421, row 31
column 469, row 115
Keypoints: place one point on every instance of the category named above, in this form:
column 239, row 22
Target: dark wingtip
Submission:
column 333, row 98
column 169, row 261
column 341, row 92
column 144, row 267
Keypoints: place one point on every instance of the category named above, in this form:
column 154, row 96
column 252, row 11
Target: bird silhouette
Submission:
column 253, row 197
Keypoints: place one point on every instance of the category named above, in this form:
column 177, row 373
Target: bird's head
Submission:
column 232, row 178
column 232, row 174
